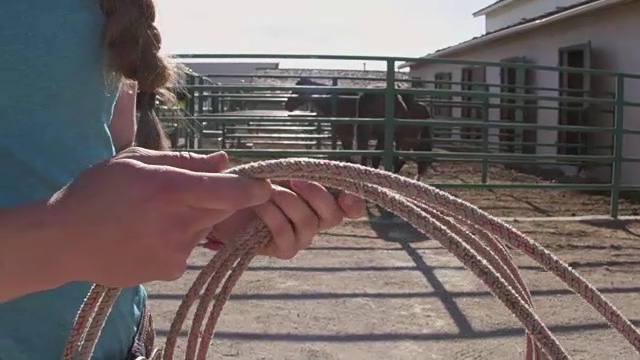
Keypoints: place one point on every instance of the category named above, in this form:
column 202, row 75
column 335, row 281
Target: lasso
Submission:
column 471, row 235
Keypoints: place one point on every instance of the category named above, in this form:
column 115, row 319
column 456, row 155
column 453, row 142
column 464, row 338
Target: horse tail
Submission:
column 426, row 132
column 421, row 111
column 365, row 100
column 365, row 103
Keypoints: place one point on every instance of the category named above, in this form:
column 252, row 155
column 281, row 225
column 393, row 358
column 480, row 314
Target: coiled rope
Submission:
column 474, row 237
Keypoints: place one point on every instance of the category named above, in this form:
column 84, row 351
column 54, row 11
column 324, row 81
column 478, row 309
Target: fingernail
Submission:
column 219, row 159
column 217, row 155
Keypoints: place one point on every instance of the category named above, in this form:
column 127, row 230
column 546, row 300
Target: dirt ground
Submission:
column 514, row 202
column 521, row 202
column 378, row 290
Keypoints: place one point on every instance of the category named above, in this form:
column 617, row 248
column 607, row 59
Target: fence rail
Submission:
column 489, row 123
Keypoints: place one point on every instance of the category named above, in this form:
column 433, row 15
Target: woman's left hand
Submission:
column 296, row 212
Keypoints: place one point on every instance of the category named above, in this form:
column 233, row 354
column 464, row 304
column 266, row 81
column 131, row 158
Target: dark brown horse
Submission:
column 368, row 105
column 424, row 142
column 406, row 137
column 348, row 107
column 374, row 106
column 345, row 107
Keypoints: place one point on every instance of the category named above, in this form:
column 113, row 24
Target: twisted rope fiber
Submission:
column 449, row 220
column 208, row 332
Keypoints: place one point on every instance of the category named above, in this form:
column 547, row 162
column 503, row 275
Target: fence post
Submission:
column 191, row 106
column 201, row 82
column 390, row 114
column 334, row 112
column 485, row 136
column 417, row 83
column 616, row 168
column 191, row 134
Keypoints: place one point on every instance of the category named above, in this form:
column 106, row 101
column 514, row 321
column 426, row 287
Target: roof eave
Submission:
column 518, row 29
column 471, row 43
column 495, row 6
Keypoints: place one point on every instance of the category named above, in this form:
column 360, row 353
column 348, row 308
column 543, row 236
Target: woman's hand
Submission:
column 296, row 212
column 138, row 216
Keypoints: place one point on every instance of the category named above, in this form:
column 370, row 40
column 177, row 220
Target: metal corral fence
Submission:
column 577, row 126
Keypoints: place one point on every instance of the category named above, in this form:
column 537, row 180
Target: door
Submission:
column 574, row 112
column 517, row 80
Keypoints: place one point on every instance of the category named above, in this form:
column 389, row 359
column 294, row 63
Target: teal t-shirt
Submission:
column 56, row 103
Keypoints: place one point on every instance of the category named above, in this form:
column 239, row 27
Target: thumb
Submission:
column 212, row 163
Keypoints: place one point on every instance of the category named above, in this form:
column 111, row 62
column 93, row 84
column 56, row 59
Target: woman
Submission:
column 80, row 205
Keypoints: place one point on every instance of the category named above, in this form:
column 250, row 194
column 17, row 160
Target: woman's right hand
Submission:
column 138, row 216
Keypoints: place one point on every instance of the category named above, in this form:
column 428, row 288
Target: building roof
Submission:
column 493, row 6
column 296, row 74
column 209, row 68
column 560, row 13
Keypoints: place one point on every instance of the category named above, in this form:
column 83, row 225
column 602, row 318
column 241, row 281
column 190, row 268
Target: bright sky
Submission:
column 337, row 27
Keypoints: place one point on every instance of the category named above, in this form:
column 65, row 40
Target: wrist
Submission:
column 33, row 254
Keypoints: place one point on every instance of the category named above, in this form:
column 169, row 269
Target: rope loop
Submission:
column 478, row 240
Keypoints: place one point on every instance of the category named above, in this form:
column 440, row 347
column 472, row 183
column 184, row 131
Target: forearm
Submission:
column 123, row 121
column 31, row 258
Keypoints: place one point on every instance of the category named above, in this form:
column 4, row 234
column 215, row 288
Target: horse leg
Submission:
column 335, row 134
column 346, row 139
column 363, row 132
column 424, row 143
column 347, row 145
column 398, row 163
column 345, row 135
column 402, row 143
column 375, row 163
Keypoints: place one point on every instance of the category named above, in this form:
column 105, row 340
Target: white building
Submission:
column 597, row 34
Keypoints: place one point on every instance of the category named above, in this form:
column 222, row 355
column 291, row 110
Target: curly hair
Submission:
column 133, row 44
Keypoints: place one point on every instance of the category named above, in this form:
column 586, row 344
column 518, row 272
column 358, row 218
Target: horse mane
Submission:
column 306, row 81
column 408, row 98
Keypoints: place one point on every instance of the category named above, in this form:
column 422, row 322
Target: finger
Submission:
column 191, row 242
column 304, row 219
column 321, row 201
column 201, row 235
column 186, row 228
column 353, row 206
column 210, row 191
column 283, row 244
column 207, row 218
column 215, row 162
column 229, row 228
column 283, row 183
